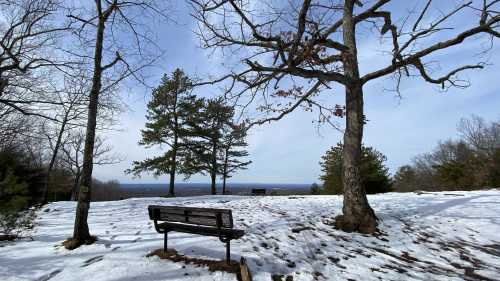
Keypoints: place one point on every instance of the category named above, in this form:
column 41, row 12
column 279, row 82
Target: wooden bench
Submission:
column 202, row 221
column 258, row 191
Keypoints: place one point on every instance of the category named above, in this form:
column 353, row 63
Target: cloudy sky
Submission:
column 289, row 151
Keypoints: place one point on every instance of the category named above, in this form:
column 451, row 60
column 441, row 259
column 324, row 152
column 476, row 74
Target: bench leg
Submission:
column 228, row 252
column 165, row 242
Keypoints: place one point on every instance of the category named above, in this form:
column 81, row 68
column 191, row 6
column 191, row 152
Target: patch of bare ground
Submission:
column 71, row 244
column 213, row 265
column 8, row 237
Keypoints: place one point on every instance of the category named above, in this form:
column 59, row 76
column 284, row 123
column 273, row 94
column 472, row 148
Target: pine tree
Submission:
column 374, row 174
column 169, row 112
column 208, row 127
column 405, row 179
column 14, row 193
column 331, row 166
column 232, row 149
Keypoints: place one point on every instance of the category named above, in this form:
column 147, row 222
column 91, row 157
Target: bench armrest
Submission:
column 159, row 230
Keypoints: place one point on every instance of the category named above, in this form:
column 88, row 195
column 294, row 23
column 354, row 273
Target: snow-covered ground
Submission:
column 438, row 236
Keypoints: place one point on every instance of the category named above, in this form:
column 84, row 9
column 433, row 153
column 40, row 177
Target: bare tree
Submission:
column 72, row 156
column 120, row 43
column 13, row 127
column 233, row 149
column 484, row 137
column 29, row 33
column 70, row 115
column 293, row 51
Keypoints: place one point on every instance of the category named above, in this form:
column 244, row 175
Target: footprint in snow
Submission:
column 113, row 237
column 92, row 260
column 115, row 248
column 137, row 233
column 49, row 275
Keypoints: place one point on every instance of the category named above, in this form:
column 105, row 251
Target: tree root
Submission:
column 71, row 243
column 366, row 225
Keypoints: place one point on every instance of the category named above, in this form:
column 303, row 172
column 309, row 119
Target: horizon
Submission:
column 218, row 183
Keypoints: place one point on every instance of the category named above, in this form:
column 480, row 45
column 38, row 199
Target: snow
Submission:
column 431, row 236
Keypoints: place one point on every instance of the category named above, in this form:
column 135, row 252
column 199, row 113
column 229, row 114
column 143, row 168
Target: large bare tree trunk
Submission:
column 357, row 213
column 81, row 234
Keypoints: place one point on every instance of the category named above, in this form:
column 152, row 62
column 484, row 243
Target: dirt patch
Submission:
column 71, row 244
column 213, row 265
column 8, row 237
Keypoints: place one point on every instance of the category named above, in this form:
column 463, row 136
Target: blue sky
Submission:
column 289, row 151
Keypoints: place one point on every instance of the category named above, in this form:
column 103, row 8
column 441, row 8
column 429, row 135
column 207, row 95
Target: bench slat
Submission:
column 192, row 215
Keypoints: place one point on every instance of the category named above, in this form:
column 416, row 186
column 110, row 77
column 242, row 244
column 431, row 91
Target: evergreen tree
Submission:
column 208, row 127
column 374, row 174
column 14, row 193
column 21, row 180
column 315, row 189
column 405, row 179
column 331, row 166
column 233, row 145
column 168, row 115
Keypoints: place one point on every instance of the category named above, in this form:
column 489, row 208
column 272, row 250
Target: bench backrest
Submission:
column 191, row 215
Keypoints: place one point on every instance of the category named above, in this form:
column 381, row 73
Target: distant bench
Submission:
column 202, row 221
column 258, row 191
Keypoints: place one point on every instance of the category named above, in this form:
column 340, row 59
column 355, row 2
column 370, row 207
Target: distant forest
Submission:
column 468, row 163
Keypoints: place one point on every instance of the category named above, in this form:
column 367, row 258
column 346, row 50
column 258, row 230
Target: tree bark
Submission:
column 224, row 184
column 81, row 232
column 224, row 172
column 173, row 168
column 213, row 173
column 74, row 189
column 357, row 213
